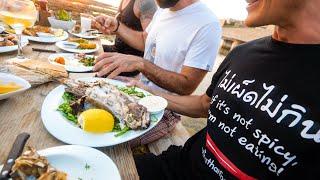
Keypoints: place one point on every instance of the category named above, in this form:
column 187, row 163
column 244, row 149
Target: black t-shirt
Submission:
column 264, row 118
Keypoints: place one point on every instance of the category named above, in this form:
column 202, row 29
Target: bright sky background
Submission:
column 235, row 9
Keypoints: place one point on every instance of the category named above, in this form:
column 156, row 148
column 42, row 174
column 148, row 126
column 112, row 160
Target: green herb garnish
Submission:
column 116, row 127
column 123, row 131
column 87, row 167
column 132, row 91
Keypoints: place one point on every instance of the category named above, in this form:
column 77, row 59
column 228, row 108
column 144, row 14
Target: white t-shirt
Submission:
column 188, row 37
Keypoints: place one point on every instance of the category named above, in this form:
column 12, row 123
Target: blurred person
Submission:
column 136, row 16
column 262, row 105
column 181, row 44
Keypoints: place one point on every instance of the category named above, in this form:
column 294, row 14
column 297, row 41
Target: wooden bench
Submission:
column 178, row 136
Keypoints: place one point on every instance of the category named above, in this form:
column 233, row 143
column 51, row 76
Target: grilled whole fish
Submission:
column 106, row 96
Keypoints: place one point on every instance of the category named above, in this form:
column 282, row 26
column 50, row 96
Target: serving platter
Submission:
column 72, row 64
column 69, row 133
column 81, row 162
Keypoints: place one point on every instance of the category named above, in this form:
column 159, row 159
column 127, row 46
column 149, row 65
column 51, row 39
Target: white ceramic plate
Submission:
column 73, row 160
column 67, row 132
column 5, row 49
column 83, row 35
column 48, row 39
column 61, row 45
column 72, row 64
column 7, row 78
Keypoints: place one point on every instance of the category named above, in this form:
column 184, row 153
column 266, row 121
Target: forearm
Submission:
column 192, row 106
column 131, row 37
column 171, row 81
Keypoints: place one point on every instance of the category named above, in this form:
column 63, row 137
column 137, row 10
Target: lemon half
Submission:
column 96, row 121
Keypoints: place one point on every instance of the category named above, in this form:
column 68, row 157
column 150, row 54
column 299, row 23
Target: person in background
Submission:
column 136, row 16
column 181, row 44
column 262, row 106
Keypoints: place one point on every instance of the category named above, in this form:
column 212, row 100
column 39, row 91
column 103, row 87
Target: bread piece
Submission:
column 33, row 78
column 44, row 67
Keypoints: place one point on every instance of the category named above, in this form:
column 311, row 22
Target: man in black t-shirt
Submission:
column 263, row 106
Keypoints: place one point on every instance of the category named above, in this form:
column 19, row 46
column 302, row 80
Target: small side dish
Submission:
column 154, row 104
column 9, row 87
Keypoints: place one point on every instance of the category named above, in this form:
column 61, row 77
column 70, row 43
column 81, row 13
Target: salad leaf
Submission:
column 63, row 15
column 88, row 61
column 66, row 111
column 117, row 127
column 67, row 97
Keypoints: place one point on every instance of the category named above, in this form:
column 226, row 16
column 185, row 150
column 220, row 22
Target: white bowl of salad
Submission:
column 62, row 20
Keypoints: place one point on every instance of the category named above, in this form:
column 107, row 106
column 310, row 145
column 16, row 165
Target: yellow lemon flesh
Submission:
column 96, row 121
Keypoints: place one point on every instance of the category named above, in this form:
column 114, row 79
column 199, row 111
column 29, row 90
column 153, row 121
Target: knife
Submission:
column 43, row 50
column 15, row 152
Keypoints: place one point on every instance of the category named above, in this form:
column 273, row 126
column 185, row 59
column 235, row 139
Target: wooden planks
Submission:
column 23, row 114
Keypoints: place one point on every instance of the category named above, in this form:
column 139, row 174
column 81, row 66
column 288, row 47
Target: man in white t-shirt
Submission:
column 180, row 44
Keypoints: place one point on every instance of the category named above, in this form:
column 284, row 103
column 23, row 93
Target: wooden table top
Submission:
column 22, row 114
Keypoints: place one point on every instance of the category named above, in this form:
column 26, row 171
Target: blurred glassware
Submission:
column 18, row 14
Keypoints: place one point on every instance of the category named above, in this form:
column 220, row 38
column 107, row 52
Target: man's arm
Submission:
column 146, row 10
column 192, row 106
column 108, row 25
column 183, row 83
column 135, row 39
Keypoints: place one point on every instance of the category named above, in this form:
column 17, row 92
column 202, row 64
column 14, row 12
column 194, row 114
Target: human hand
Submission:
column 105, row 24
column 112, row 64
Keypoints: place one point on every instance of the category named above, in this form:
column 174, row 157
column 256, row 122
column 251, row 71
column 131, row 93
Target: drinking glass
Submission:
column 18, row 14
